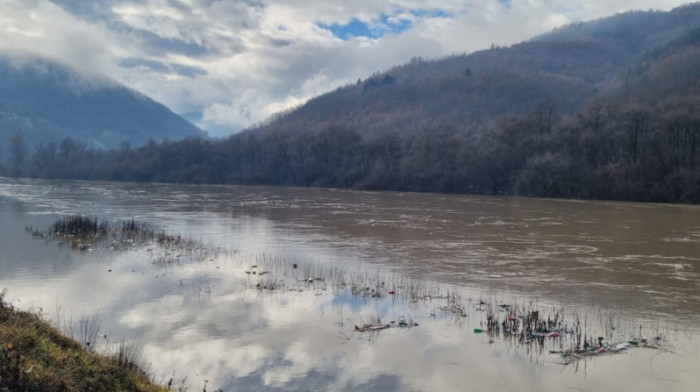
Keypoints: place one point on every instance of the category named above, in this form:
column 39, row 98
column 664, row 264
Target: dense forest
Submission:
column 570, row 66
column 626, row 127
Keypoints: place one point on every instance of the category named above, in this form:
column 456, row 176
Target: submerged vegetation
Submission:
column 34, row 356
column 543, row 331
column 88, row 233
column 79, row 225
column 80, row 231
column 561, row 330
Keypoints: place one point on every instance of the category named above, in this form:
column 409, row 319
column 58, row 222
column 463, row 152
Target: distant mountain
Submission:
column 49, row 101
column 603, row 110
column 567, row 67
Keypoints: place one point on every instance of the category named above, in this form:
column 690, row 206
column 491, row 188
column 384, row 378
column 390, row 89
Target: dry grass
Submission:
column 34, row 356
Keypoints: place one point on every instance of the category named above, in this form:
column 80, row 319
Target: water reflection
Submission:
column 204, row 321
column 246, row 339
column 646, row 254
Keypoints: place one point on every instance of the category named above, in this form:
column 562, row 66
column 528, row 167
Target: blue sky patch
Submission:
column 379, row 27
column 355, row 28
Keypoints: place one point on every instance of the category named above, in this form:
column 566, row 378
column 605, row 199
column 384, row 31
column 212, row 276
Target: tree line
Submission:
column 618, row 151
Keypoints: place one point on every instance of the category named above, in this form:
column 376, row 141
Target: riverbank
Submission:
column 34, row 356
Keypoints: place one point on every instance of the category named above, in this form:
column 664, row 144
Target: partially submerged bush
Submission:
column 79, row 226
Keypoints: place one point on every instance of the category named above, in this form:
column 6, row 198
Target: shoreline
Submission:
column 35, row 356
column 502, row 195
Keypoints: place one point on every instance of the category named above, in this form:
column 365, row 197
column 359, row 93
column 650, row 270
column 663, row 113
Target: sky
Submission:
column 230, row 64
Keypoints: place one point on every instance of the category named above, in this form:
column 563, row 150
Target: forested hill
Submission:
column 622, row 125
column 568, row 66
column 48, row 101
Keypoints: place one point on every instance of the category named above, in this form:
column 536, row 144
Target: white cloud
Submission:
column 45, row 28
column 237, row 62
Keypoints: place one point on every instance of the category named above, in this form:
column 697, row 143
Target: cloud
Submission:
column 43, row 27
column 236, row 62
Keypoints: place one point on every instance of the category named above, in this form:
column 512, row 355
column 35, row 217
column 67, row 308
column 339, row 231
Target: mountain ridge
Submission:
column 568, row 66
column 48, row 100
column 505, row 121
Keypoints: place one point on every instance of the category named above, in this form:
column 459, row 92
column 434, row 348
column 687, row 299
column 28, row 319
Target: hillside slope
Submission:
column 48, row 101
column 568, row 66
column 627, row 128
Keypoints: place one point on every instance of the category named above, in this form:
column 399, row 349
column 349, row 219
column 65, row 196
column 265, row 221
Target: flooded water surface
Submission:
column 623, row 272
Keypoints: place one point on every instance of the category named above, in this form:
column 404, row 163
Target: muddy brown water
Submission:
column 637, row 263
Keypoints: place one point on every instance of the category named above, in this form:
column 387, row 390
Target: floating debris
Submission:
column 371, row 327
column 403, row 324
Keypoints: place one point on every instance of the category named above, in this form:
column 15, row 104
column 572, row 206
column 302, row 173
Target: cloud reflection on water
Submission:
column 201, row 321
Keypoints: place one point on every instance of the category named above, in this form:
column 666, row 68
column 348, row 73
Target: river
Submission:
column 636, row 266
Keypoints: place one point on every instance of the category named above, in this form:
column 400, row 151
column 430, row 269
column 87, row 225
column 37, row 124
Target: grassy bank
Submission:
column 35, row 356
